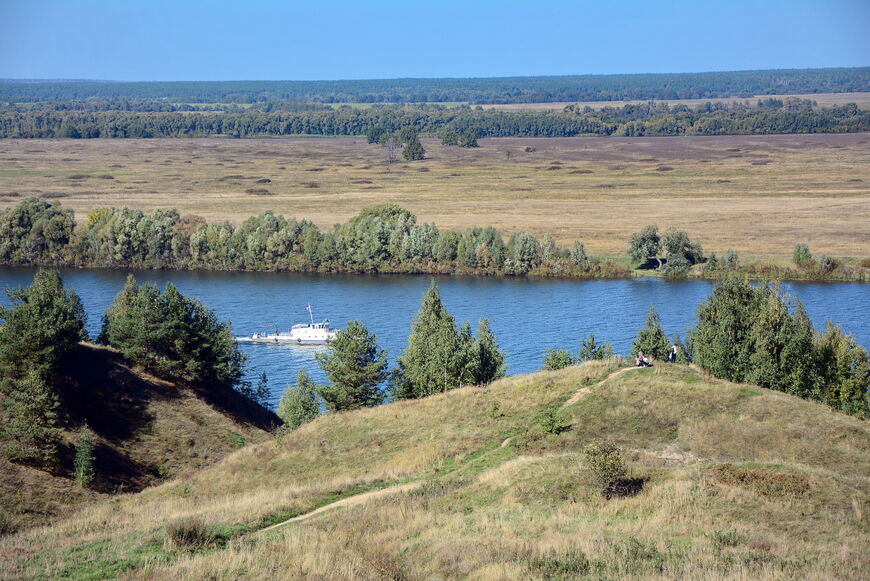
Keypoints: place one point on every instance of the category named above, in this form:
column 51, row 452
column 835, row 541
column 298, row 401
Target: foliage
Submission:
column 652, row 339
column 37, row 339
column 261, row 394
column 299, row 404
column 552, row 421
column 297, row 95
column 171, row 335
column 35, row 232
column 356, row 367
column 488, row 360
column 31, row 433
column 83, row 463
column 190, row 533
column 440, row 356
column 645, row 244
column 40, row 330
column 606, row 465
column 468, row 138
column 557, row 359
column 680, row 252
column 591, row 350
column 383, row 238
column 802, row 255
column 578, row 253
column 750, row 334
column 413, row 150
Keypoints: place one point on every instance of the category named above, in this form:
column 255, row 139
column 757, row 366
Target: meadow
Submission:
column 758, row 195
column 730, row 481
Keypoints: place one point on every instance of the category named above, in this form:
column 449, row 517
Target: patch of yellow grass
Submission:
column 758, row 195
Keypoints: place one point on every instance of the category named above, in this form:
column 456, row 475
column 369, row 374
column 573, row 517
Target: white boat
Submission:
column 300, row 334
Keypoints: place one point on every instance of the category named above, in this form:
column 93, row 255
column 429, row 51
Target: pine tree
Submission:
column 490, row 361
column 414, row 150
column 40, row 330
column 31, row 433
column 652, row 339
column 355, row 367
column 299, row 404
column 433, row 359
column 591, row 350
column 173, row 336
column 722, row 338
column 37, row 339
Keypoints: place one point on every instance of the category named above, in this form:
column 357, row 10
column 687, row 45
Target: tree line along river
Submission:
column 527, row 315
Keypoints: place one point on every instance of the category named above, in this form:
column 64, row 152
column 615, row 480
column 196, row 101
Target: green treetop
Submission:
column 299, row 404
column 652, row 339
column 356, row 367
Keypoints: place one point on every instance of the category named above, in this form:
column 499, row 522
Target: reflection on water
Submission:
column 527, row 316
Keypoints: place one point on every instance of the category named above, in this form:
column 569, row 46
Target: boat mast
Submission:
column 310, row 313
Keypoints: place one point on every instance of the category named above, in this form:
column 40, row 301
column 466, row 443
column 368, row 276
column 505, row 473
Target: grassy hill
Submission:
column 146, row 430
column 734, row 481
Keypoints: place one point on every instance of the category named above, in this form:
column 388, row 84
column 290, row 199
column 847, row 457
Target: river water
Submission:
column 528, row 316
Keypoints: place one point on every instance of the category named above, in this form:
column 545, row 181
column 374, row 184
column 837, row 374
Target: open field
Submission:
column 823, row 100
column 728, row 481
column 759, row 195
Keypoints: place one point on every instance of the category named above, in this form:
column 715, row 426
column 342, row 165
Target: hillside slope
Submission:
column 735, row 481
column 146, row 430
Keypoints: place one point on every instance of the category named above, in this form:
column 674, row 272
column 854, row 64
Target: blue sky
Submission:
column 333, row 39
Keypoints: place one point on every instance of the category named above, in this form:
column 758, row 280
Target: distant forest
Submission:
column 119, row 120
column 715, row 85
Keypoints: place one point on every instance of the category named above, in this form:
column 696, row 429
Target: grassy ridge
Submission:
column 146, row 431
column 738, row 482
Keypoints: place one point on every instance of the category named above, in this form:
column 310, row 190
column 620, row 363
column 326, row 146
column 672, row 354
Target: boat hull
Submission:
column 288, row 341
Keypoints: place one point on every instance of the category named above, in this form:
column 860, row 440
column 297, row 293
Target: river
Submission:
column 528, row 316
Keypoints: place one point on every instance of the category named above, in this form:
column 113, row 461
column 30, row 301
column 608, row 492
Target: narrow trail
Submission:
column 364, row 497
column 354, row 500
column 583, row 392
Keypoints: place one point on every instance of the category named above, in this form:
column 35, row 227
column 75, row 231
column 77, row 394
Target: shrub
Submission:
column 83, row 464
column 802, row 255
column 557, row 359
column 606, row 465
column 552, row 422
column 189, row 532
column 565, row 564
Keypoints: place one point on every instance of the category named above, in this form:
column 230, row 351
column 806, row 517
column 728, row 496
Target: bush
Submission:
column 802, row 255
column 566, row 564
column 557, row 359
column 606, row 465
column 553, row 422
column 189, row 532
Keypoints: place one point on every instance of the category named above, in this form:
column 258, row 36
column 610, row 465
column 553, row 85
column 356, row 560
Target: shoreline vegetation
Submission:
column 383, row 239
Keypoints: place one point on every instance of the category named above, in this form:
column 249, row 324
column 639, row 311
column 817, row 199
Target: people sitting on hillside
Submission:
column 641, row 360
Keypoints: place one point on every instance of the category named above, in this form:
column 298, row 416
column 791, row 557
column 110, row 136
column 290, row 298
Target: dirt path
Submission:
column 581, row 393
column 354, row 500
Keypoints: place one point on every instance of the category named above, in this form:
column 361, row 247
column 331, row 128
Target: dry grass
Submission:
column 812, row 188
column 739, row 483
